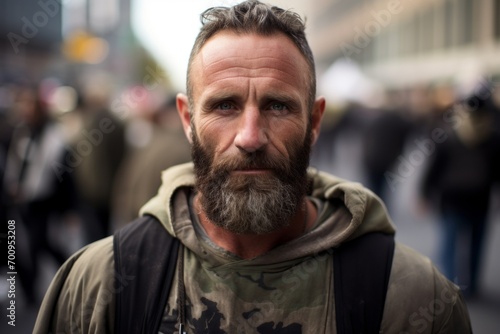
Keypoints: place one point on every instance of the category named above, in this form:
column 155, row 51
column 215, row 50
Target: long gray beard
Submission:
column 260, row 206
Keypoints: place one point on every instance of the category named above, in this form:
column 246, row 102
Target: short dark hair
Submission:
column 253, row 16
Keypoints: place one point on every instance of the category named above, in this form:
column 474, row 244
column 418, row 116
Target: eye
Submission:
column 278, row 108
column 225, row 106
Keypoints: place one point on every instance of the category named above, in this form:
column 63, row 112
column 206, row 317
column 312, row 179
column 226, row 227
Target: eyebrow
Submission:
column 219, row 97
column 284, row 98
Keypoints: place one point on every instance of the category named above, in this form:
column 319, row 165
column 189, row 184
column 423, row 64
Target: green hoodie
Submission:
column 288, row 289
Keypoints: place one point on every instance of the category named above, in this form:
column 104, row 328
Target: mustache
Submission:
column 254, row 160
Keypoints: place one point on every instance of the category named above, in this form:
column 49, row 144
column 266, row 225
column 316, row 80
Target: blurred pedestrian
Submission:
column 97, row 151
column 384, row 139
column 35, row 193
column 155, row 141
column 459, row 181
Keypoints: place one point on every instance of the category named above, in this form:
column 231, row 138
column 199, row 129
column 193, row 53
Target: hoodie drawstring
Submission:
column 181, row 291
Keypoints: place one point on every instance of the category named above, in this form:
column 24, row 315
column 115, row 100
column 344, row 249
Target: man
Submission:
column 257, row 229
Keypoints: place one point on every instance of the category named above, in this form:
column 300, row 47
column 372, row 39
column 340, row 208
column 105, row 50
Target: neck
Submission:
column 248, row 246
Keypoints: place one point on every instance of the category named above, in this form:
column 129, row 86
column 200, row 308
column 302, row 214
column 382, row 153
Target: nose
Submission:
column 252, row 131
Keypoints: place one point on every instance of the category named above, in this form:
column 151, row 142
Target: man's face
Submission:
column 251, row 130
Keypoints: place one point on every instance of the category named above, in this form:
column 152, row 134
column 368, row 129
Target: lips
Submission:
column 252, row 171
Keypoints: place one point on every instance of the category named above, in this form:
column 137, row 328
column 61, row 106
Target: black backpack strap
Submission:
column 361, row 276
column 145, row 253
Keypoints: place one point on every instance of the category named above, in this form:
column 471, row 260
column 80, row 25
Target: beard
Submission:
column 250, row 204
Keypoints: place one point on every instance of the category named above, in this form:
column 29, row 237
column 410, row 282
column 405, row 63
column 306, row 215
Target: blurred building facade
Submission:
column 403, row 43
column 54, row 38
column 29, row 35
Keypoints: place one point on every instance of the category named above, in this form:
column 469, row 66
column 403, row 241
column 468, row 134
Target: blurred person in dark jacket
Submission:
column 34, row 192
column 383, row 141
column 459, row 180
column 97, row 151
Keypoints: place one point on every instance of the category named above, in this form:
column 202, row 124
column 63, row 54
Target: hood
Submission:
column 355, row 210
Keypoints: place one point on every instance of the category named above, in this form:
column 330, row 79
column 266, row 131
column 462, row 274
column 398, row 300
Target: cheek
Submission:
column 215, row 136
column 286, row 136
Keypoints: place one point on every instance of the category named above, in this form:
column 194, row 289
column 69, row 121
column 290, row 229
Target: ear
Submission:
column 183, row 110
column 317, row 115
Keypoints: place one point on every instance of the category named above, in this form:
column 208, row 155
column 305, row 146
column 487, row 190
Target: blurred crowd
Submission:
column 442, row 138
column 78, row 162
column 74, row 169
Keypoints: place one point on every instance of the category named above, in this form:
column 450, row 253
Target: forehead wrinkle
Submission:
column 251, row 66
column 217, row 85
column 243, row 68
column 238, row 59
column 284, row 71
column 261, row 73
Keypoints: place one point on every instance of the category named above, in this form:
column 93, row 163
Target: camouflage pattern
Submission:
column 287, row 290
column 232, row 295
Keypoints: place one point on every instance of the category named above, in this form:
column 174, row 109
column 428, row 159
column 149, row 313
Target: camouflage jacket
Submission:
column 286, row 290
